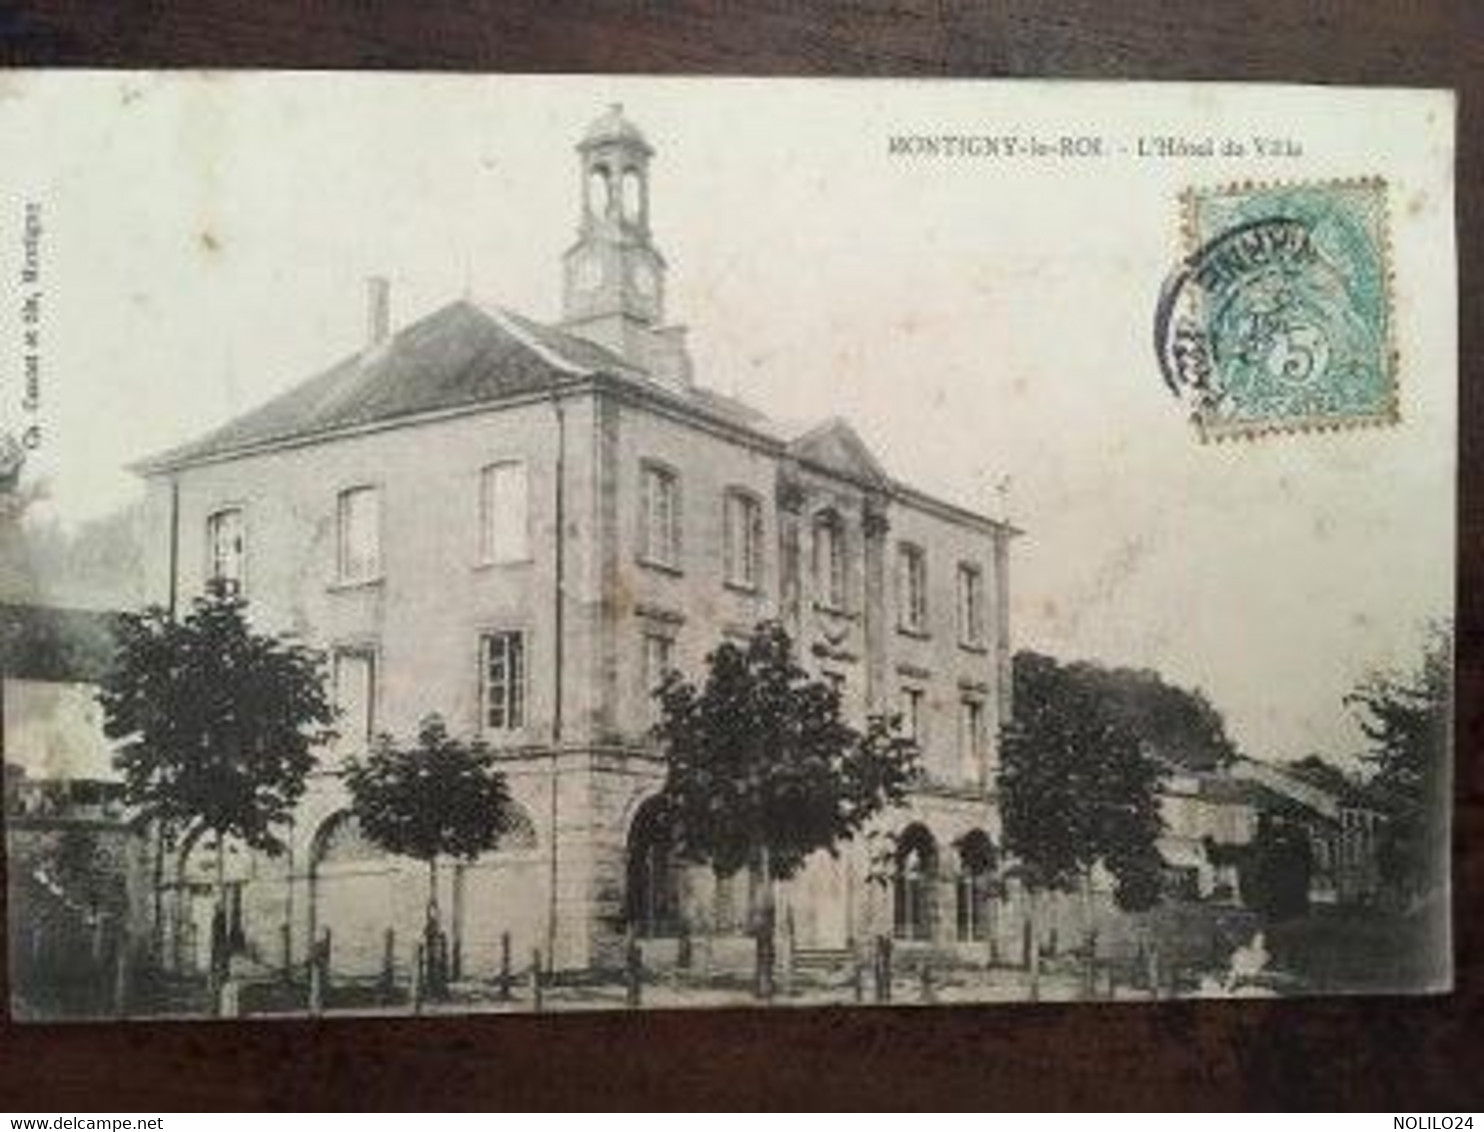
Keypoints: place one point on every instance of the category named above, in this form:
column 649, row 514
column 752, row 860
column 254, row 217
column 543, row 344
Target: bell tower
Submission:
column 613, row 286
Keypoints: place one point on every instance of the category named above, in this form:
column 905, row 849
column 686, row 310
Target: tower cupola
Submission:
column 613, row 276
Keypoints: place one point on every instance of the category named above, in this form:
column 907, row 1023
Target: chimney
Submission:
column 378, row 310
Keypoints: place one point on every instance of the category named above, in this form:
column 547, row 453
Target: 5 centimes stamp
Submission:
column 1279, row 317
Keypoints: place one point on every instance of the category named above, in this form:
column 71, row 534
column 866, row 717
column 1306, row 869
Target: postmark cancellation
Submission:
column 1279, row 316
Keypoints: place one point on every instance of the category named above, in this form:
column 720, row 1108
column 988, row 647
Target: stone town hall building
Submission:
column 521, row 526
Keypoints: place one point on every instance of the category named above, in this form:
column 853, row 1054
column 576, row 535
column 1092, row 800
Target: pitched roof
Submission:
column 462, row 354
column 1346, row 790
column 470, row 353
column 1220, row 788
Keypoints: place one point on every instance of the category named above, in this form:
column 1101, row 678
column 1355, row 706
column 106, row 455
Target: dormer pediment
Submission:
column 834, row 446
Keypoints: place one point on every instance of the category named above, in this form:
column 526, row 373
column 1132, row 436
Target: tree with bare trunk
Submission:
column 442, row 797
column 762, row 770
column 1079, row 786
column 216, row 724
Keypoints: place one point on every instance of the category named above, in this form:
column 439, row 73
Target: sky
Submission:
column 205, row 240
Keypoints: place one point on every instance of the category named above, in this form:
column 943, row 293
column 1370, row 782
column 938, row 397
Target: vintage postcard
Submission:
column 520, row 544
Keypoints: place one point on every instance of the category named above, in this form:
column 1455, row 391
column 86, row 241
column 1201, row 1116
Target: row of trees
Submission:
column 216, row 728
column 217, row 725
column 1407, row 718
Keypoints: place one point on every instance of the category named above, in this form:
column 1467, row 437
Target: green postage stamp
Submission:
column 1279, row 317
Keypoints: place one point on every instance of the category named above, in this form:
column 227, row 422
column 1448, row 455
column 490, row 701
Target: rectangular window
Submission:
column 358, row 524
column 503, row 513
column 829, row 560
column 912, row 713
column 355, row 697
column 970, row 604
column 911, row 588
column 226, row 548
column 660, row 504
column 504, row 669
column 743, row 539
column 971, row 740
column 659, row 659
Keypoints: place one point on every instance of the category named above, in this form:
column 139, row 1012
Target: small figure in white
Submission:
column 1248, row 962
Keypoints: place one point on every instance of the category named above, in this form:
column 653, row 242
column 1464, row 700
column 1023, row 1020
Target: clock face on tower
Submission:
column 589, row 275
column 644, row 280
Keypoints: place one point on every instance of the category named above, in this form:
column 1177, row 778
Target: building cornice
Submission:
column 164, row 465
column 626, row 389
column 668, row 405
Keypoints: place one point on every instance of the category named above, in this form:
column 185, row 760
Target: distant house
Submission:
column 1344, row 819
column 50, row 663
column 77, row 869
column 1210, row 815
column 1202, row 809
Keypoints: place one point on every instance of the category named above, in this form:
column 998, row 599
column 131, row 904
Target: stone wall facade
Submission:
column 581, row 764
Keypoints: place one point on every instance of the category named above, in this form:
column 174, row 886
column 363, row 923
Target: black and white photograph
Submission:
column 498, row 544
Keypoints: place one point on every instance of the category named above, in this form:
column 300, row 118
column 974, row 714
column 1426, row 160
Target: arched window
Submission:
column 633, row 196
column 652, row 897
column 913, row 906
column 340, row 841
column 600, row 191
column 975, row 887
